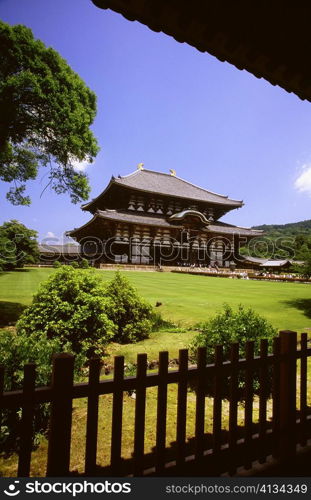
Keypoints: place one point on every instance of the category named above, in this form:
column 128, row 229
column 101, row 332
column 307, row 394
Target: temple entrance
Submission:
column 141, row 252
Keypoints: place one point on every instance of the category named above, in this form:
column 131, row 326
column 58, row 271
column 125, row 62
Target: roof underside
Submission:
column 113, row 215
column 271, row 40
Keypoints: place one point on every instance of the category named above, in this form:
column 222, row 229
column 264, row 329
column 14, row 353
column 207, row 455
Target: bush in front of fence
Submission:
column 16, row 350
column 228, row 327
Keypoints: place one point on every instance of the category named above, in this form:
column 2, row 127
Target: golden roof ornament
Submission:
column 173, row 172
column 140, row 166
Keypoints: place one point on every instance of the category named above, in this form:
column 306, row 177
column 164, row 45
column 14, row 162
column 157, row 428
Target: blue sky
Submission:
column 169, row 106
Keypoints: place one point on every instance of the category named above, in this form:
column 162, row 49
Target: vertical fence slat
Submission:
column 263, row 389
column 61, row 416
column 161, row 412
column 182, row 407
column 303, row 388
column 288, row 395
column 249, row 395
column 26, row 432
column 276, row 397
column 217, row 403
column 233, row 405
column 92, row 417
column 200, row 404
column 117, row 413
column 140, row 411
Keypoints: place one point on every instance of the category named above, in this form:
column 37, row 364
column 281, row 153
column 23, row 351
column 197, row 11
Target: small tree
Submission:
column 132, row 315
column 230, row 326
column 71, row 305
column 18, row 245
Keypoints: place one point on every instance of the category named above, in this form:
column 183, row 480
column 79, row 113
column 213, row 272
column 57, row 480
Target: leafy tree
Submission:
column 71, row 305
column 46, row 113
column 229, row 326
column 132, row 315
column 18, row 245
column 305, row 268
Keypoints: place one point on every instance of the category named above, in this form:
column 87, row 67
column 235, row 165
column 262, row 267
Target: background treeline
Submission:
column 295, row 235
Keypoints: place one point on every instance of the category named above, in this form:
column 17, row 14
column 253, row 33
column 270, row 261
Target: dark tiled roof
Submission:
column 272, row 40
column 166, row 184
column 223, row 228
column 217, row 227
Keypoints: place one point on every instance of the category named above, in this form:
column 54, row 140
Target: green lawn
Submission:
column 187, row 299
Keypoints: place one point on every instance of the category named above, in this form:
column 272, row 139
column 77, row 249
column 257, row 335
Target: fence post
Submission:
column 61, row 415
column 287, row 396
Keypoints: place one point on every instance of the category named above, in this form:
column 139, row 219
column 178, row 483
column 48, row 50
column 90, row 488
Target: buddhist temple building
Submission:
column 158, row 219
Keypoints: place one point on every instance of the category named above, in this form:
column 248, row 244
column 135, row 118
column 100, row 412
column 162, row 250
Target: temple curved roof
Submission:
column 159, row 183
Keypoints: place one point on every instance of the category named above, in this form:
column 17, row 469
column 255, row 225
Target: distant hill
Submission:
column 290, row 229
column 297, row 234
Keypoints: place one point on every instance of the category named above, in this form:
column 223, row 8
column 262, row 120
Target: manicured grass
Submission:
column 187, row 299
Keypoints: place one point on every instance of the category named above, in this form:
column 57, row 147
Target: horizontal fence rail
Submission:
column 271, row 376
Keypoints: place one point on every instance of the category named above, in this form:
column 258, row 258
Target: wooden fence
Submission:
column 282, row 376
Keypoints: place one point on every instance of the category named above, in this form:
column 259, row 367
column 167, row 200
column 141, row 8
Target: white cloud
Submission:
column 80, row 166
column 303, row 181
column 50, row 234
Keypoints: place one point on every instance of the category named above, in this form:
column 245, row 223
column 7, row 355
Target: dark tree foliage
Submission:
column 45, row 115
column 18, row 245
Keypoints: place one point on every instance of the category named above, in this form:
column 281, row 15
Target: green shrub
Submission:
column 131, row 314
column 84, row 264
column 74, row 264
column 56, row 264
column 230, row 326
column 71, row 306
column 15, row 351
